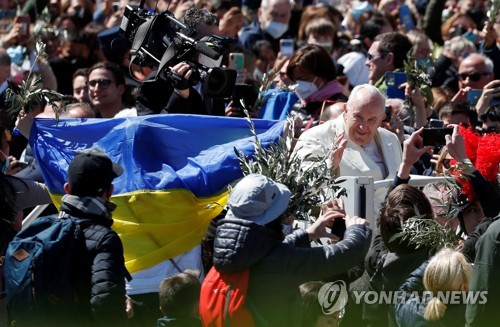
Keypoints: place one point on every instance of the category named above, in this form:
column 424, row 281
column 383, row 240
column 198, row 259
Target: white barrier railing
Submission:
column 360, row 200
column 33, row 215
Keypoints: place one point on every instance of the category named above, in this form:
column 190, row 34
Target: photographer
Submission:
column 185, row 99
column 172, row 92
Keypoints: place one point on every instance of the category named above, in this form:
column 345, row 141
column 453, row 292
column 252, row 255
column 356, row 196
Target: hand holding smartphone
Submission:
column 473, row 96
column 25, row 25
column 406, row 17
column 436, row 123
column 237, row 62
column 436, row 136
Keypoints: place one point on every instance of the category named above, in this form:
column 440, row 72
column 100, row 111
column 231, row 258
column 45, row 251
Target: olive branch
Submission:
column 417, row 77
column 30, row 93
column 422, row 231
column 493, row 11
column 310, row 187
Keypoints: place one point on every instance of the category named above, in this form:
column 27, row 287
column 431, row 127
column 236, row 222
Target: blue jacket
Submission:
column 410, row 312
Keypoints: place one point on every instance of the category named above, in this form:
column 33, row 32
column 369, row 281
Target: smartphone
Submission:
column 436, row 136
column 473, row 96
column 339, row 227
column 406, row 17
column 116, row 6
column 237, row 62
column 25, row 25
column 469, row 35
column 495, row 101
column 22, row 164
column 436, row 123
column 287, row 47
column 394, row 81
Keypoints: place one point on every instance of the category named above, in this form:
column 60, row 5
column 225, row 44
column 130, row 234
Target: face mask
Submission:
column 275, row 29
column 305, row 89
column 6, row 164
column 16, row 54
column 424, row 62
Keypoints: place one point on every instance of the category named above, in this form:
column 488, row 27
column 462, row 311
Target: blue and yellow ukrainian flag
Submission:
column 176, row 172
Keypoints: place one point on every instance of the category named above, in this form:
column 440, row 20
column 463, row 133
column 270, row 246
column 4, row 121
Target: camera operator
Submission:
column 175, row 95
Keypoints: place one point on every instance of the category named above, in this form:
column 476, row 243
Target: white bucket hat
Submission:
column 258, row 199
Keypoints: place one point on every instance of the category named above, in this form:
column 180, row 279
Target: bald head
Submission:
column 364, row 112
column 475, row 71
column 332, row 111
column 366, row 93
column 78, row 110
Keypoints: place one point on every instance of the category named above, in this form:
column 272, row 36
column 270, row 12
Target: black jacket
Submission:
column 159, row 97
column 387, row 272
column 102, row 277
column 278, row 267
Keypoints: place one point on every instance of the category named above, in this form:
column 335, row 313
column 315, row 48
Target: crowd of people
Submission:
column 385, row 89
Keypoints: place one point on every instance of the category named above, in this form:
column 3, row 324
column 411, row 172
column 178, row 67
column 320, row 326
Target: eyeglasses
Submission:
column 103, row 83
column 371, row 56
column 473, row 77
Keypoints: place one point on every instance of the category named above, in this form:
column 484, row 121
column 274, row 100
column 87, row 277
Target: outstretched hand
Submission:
column 456, row 145
column 339, row 146
column 231, row 22
column 413, row 149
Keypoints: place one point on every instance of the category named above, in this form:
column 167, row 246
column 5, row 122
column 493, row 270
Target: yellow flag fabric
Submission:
column 177, row 169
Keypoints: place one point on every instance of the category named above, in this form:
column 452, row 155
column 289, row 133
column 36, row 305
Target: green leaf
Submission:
column 309, row 187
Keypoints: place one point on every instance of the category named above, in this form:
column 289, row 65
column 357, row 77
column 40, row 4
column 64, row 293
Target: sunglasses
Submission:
column 371, row 56
column 473, row 77
column 103, row 83
column 489, row 130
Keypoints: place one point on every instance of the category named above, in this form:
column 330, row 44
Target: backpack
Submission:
column 223, row 300
column 40, row 268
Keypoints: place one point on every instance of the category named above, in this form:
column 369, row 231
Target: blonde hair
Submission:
column 447, row 271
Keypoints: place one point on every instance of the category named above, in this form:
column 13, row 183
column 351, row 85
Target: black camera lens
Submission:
column 219, row 82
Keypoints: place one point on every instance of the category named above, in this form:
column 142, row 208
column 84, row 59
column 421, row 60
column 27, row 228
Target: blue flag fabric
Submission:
column 157, row 152
column 176, row 172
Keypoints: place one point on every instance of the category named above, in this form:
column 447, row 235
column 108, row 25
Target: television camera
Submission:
column 160, row 41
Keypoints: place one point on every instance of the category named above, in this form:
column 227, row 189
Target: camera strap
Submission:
column 141, row 34
column 167, row 55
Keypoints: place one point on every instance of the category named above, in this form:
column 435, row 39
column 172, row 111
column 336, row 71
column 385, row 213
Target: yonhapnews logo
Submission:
column 333, row 297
